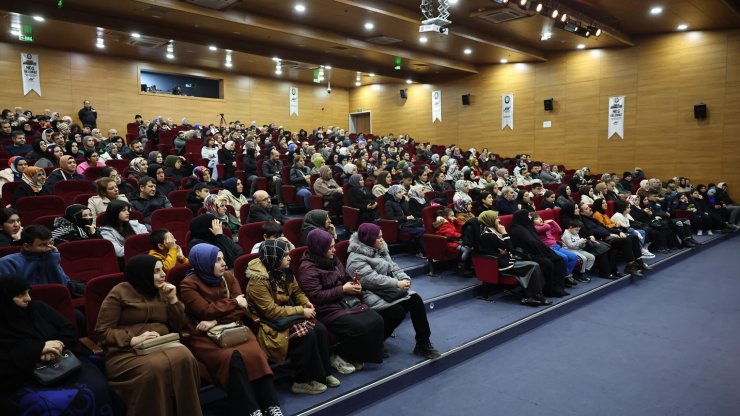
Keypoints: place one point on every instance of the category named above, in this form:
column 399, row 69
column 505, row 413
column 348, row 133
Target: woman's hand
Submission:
column 216, row 227
column 404, row 284
column 17, row 236
column 242, row 301
column 52, row 349
column 501, row 229
column 204, row 326
column 146, row 336
column 309, row 313
column 168, row 291
column 90, row 229
column 351, row 288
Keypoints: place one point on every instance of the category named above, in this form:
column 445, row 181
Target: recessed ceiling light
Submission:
column 15, row 32
column 467, row 51
column 555, row 13
column 358, row 83
column 213, row 48
column 371, row 74
column 682, row 27
column 408, row 81
column 300, row 8
column 452, row 1
column 546, row 36
column 327, row 66
column 504, row 61
column 170, row 56
column 278, row 72
column 228, row 64
column 423, row 39
column 38, row 18
column 656, row 10
column 581, row 46
column 100, row 45
column 135, row 35
column 276, row 59
column 369, row 25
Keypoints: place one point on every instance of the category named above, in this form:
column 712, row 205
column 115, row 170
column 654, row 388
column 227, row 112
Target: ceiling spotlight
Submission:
column 358, row 83
column 598, row 32
column 170, row 56
column 423, row 39
column 452, row 1
column 38, row 18
column 408, row 81
column 555, row 13
column 371, row 74
column 581, row 46
column 100, row 44
column 467, row 51
column 539, row 7
column 228, row 64
column 682, row 27
column 327, row 66
column 564, row 17
column 587, row 34
column 135, row 35
column 656, row 10
column 504, row 61
column 300, row 8
column 213, row 48
column 522, row 2
column 369, row 26
column 546, row 36
column 278, row 72
column 276, row 59
column 15, row 32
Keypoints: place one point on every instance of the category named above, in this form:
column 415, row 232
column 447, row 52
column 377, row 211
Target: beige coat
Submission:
column 98, row 204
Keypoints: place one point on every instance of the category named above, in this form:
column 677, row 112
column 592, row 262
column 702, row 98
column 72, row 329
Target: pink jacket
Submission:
column 549, row 233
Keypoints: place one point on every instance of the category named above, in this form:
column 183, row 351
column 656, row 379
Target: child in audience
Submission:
column 272, row 230
column 166, row 250
column 573, row 242
column 447, row 225
column 549, row 233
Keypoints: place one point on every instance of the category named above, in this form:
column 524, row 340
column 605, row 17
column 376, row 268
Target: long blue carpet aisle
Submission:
column 667, row 345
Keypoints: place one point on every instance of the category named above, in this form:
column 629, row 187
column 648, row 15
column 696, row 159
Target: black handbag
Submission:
column 282, row 323
column 390, row 294
column 51, row 372
column 350, row 302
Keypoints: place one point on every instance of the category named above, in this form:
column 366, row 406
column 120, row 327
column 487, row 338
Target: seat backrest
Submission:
column 46, row 220
column 178, row 197
column 295, row 258
column 118, row 164
column 93, row 172
column 4, row 251
column 428, row 215
column 341, row 248
column 244, row 213
column 136, row 244
column 381, row 205
column 95, row 292
column 58, row 297
column 292, row 230
column 249, row 235
column 505, row 220
column 83, row 198
column 177, row 274
column 85, row 259
column 177, row 220
column 8, row 191
column 32, row 207
column 71, row 188
column 240, row 269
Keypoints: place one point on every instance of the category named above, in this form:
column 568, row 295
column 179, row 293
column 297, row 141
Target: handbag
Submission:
column 229, row 335
column 282, row 323
column 597, row 248
column 162, row 342
column 350, row 302
column 390, row 294
column 51, row 372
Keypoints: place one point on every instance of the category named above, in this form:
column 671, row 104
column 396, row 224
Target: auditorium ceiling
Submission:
column 337, row 33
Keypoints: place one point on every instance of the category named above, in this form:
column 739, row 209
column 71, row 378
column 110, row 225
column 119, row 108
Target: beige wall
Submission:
column 112, row 84
column 662, row 78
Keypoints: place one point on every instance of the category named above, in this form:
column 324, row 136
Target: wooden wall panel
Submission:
column 662, row 77
column 113, row 87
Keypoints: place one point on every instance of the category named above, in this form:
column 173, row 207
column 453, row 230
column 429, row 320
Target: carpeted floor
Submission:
column 666, row 345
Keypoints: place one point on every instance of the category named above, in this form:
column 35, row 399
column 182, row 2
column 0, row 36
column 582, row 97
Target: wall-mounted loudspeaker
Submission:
column 548, row 104
column 700, row 111
column 404, row 93
column 466, row 99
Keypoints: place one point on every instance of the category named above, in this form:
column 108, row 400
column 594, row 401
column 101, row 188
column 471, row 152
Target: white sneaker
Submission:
column 709, row 232
column 340, row 365
column 332, row 381
column 312, row 387
column 700, row 232
column 647, row 255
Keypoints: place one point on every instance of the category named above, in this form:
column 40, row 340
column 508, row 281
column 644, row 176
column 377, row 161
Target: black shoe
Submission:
column 617, row 275
column 694, row 241
column 583, row 279
column 688, row 243
column 531, row 302
column 571, row 280
column 568, row 284
column 636, row 273
column 543, row 300
column 644, row 267
column 427, row 351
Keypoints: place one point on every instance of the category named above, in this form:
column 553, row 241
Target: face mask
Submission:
column 86, row 221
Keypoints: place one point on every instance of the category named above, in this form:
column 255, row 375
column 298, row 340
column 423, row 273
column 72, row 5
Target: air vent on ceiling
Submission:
column 502, row 15
column 384, row 40
column 146, row 42
column 297, row 65
column 213, row 4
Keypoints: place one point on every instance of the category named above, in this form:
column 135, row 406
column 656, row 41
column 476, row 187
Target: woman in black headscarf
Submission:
column 317, row 218
column 524, row 237
column 289, row 328
column 361, row 198
column 145, row 307
column 207, row 228
column 32, row 332
column 76, row 224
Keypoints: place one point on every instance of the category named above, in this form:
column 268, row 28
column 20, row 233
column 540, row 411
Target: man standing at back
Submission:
column 88, row 116
column 272, row 169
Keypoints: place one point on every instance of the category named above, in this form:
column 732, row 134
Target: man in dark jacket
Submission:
column 617, row 239
column 263, row 210
column 88, row 116
column 272, row 169
column 148, row 199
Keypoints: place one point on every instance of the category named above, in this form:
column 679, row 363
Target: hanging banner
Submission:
column 31, row 75
column 616, row 117
column 293, row 101
column 436, row 106
column 507, row 111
